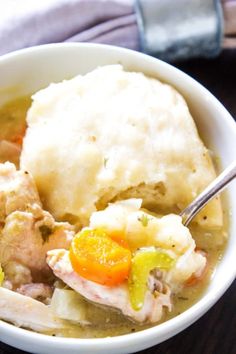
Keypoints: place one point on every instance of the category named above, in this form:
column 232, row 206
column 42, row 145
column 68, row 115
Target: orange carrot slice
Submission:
column 96, row 257
column 119, row 237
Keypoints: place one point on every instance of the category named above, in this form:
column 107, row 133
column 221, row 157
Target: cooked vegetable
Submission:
column 96, row 257
column 143, row 262
column 144, row 219
column 119, row 237
column 69, row 305
column 1, row 275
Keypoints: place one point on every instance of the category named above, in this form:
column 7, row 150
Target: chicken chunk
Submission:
column 26, row 312
column 116, row 297
column 17, row 190
column 26, row 239
column 27, row 231
column 39, row 291
column 16, row 274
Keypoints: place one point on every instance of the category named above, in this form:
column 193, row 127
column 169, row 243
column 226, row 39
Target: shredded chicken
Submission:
column 26, row 312
column 27, row 231
column 17, row 190
column 17, row 273
column 41, row 292
column 117, row 296
column 22, row 240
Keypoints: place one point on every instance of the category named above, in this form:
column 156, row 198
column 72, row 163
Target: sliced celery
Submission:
column 1, row 275
column 143, row 262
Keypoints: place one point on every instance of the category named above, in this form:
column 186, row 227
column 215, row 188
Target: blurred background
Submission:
column 165, row 28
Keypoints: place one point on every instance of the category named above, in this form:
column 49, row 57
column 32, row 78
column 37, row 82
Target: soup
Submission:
column 68, row 299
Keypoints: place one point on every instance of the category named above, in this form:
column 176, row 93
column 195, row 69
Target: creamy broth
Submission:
column 13, row 125
column 12, row 128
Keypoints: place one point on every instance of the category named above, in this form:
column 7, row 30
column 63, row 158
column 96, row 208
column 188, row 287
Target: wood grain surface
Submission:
column 214, row 333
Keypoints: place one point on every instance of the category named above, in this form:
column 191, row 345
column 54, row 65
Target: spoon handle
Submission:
column 210, row 192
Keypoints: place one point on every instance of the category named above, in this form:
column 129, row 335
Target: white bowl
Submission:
column 28, row 70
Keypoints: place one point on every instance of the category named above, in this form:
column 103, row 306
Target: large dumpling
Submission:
column 112, row 134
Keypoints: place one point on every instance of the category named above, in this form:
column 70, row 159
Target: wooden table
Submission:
column 214, row 333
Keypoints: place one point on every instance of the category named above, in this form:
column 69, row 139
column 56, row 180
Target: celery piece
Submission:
column 1, row 275
column 143, row 261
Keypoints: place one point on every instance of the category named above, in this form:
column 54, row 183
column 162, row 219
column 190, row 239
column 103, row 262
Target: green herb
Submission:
column 45, row 231
column 105, row 161
column 144, row 219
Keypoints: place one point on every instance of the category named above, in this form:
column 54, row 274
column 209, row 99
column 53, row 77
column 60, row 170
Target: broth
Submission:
column 12, row 128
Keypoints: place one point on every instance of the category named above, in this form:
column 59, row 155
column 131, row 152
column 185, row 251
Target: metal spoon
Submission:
column 208, row 193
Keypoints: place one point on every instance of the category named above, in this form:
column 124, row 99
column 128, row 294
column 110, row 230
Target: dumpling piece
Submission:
column 113, row 134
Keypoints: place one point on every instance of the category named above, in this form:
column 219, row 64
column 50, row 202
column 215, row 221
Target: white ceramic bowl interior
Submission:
column 25, row 72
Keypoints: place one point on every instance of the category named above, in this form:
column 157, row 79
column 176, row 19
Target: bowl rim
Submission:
column 173, row 325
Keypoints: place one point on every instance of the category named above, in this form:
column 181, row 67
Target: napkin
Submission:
column 27, row 23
